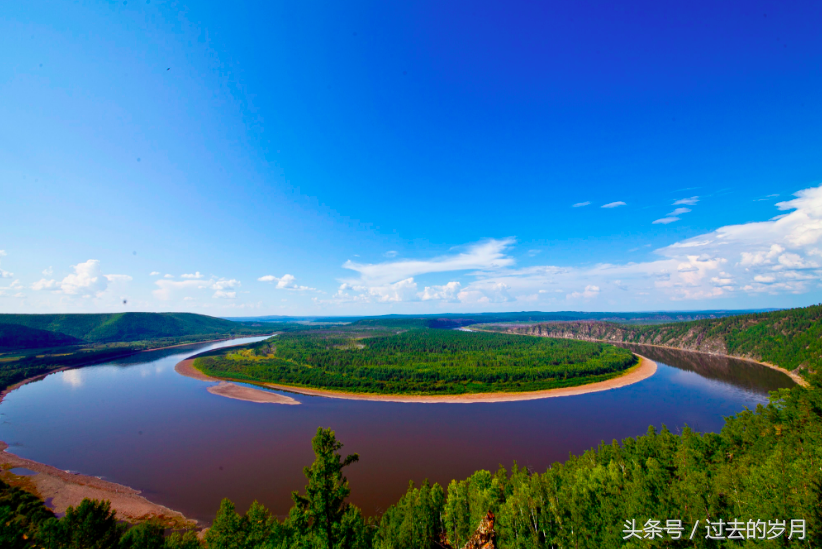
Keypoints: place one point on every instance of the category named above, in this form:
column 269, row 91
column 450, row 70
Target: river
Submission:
column 135, row 421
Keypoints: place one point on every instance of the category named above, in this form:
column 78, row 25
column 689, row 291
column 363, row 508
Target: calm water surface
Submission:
column 137, row 422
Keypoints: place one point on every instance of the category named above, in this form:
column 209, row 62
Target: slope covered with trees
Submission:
column 418, row 361
column 105, row 328
column 791, row 338
column 14, row 336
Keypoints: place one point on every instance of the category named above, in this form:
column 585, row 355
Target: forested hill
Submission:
column 102, row 328
column 790, row 338
column 14, row 336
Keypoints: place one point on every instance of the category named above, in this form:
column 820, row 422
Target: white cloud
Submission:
column 4, row 274
column 154, row 273
column 686, row 201
column 446, row 292
column 48, row 272
column 168, row 276
column 286, row 282
column 590, row 292
column 168, row 288
column 13, row 287
column 196, row 275
column 483, row 256
column 613, row 205
column 86, row 279
column 665, row 220
column 679, row 211
column 44, row 284
column 391, row 253
column 580, row 204
column 118, row 278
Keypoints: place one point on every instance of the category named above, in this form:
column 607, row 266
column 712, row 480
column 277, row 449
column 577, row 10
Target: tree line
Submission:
column 419, row 361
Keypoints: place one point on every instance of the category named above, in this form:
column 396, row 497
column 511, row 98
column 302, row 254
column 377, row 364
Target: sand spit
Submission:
column 645, row 369
column 230, row 390
column 65, row 488
column 249, row 394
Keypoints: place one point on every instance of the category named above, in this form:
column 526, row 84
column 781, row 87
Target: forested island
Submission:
column 406, row 358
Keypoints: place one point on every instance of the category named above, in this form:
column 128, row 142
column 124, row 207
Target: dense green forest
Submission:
column 15, row 336
column 760, row 477
column 417, row 361
column 107, row 328
column 791, row 338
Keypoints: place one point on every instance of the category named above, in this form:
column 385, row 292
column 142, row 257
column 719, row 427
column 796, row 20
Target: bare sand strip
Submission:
column 65, row 488
column 230, row 390
column 249, row 394
column 645, row 369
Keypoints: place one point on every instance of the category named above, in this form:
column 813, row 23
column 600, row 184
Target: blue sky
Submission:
column 372, row 157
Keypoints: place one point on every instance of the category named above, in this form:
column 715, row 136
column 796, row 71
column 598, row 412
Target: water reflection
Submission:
column 746, row 375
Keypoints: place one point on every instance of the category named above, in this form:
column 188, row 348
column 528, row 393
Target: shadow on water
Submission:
column 743, row 374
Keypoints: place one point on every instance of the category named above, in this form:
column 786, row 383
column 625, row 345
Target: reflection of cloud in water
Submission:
column 73, row 378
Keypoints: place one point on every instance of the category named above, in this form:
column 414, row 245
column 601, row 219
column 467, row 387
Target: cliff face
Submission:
column 695, row 338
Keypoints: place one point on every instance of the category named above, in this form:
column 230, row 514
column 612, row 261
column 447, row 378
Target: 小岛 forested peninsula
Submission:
column 416, row 360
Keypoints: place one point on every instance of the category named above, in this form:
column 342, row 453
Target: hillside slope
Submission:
column 791, row 338
column 14, row 336
column 101, row 328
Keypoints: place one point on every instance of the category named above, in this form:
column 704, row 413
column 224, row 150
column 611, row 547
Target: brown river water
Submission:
column 137, row 422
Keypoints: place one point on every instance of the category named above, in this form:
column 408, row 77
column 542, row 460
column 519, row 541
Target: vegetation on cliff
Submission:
column 791, row 338
column 417, row 361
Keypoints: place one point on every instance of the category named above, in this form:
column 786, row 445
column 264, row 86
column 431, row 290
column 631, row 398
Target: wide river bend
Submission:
column 137, row 422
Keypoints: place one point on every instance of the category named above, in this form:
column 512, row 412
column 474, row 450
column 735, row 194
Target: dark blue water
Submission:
column 137, row 422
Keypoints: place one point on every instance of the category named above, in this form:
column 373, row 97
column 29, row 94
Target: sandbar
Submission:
column 645, row 369
column 65, row 488
column 231, row 390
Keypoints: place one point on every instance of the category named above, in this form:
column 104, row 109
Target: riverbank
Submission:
column 645, row 369
column 231, row 390
column 799, row 380
column 63, row 489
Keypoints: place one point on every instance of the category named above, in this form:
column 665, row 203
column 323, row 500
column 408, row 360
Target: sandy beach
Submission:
column 65, row 489
column 645, row 369
column 231, row 390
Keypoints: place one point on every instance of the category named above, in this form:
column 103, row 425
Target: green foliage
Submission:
column 14, row 336
column 21, row 514
column 418, row 361
column 791, row 338
column 415, row 521
column 91, row 525
column 101, row 328
column 146, row 535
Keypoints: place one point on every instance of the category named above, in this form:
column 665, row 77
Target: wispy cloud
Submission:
column 580, row 204
column 285, row 282
column 391, row 253
column 223, row 287
column 154, row 273
column 196, row 275
column 614, row 205
column 769, row 197
column 686, row 201
column 665, row 220
column 484, row 255
column 679, row 211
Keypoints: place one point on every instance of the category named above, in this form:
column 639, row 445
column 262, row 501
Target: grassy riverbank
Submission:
column 418, row 361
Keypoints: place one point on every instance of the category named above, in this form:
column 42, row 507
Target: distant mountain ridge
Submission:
column 124, row 327
column 790, row 338
column 463, row 319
